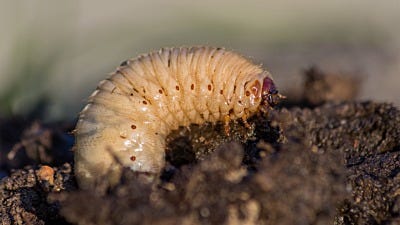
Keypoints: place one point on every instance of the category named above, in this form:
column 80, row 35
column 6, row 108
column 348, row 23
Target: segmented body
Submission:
column 130, row 114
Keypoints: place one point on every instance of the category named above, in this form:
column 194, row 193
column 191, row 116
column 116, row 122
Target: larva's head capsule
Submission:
column 270, row 96
column 262, row 92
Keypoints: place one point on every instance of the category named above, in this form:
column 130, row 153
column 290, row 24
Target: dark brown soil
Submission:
column 324, row 160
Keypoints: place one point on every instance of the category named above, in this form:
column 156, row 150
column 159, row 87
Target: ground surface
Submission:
column 325, row 159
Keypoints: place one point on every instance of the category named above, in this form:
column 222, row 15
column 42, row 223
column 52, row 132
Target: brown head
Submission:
column 270, row 95
column 262, row 92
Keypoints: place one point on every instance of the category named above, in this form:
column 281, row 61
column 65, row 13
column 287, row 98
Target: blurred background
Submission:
column 57, row 51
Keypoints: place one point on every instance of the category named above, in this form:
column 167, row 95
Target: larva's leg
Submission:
column 227, row 119
column 245, row 117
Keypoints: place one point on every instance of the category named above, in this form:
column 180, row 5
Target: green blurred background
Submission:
column 58, row 51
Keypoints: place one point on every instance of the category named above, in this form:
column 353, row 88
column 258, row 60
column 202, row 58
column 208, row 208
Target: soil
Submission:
column 326, row 159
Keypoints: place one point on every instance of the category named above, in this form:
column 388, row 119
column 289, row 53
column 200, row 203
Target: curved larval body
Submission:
column 130, row 114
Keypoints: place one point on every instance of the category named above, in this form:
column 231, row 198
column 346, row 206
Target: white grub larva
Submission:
column 128, row 117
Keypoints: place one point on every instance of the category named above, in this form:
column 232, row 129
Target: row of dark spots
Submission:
column 209, row 87
column 135, row 90
column 133, row 126
column 212, row 56
column 144, row 102
column 144, row 91
column 132, row 158
column 159, row 91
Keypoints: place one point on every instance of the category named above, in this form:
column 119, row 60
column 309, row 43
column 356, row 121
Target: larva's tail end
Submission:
column 92, row 178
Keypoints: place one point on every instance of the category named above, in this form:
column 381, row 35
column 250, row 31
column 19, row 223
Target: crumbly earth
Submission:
column 318, row 161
